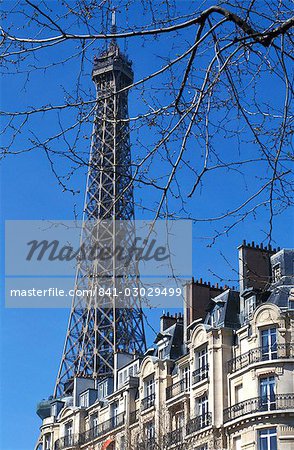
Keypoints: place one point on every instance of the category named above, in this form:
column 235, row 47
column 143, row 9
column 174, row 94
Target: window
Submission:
column 94, row 424
column 54, row 410
column 238, row 390
column 215, row 316
column 84, row 400
column 237, row 443
column 201, row 365
column 267, row 386
column 68, row 434
column 103, row 390
column 150, row 432
column 149, row 387
column 179, row 420
column 269, row 343
column 160, row 354
column 276, row 273
column 250, row 304
column 185, row 375
column 136, row 368
column 47, row 442
column 268, row 439
column 114, row 413
column 202, row 410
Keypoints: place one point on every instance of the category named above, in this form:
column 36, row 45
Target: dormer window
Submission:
column 250, row 304
column 84, row 400
column 277, row 273
column 215, row 317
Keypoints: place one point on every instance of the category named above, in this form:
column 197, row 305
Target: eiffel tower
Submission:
column 100, row 328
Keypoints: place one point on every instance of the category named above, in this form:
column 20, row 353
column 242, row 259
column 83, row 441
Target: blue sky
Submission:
column 32, row 340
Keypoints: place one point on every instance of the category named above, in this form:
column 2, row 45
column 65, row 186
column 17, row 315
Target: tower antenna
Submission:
column 113, row 25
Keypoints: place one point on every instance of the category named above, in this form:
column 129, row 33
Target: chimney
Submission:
column 166, row 321
column 254, row 266
column 197, row 299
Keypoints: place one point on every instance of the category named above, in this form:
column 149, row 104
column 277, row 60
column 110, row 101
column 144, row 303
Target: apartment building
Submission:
column 219, row 376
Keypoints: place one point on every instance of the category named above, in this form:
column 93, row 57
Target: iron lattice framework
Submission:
column 100, row 328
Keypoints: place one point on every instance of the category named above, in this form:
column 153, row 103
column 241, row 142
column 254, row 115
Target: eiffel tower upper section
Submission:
column 100, row 329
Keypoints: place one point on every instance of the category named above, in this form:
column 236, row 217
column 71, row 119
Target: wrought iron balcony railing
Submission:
column 102, row 428
column 259, row 354
column 177, row 388
column 148, row 402
column 200, row 374
column 72, row 441
column 199, row 422
column 148, row 444
column 259, row 404
column 173, row 437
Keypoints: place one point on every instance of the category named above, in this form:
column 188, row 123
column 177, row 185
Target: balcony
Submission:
column 101, row 429
column 259, row 404
column 148, row 402
column 200, row 374
column 148, row 444
column 177, row 388
column 71, row 441
column 173, row 437
column 280, row 351
column 199, row 422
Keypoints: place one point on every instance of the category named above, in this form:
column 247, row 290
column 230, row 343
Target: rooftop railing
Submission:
column 199, row 422
column 148, row 402
column 279, row 351
column 259, row 404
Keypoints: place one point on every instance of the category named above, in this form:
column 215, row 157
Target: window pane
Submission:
column 273, row 443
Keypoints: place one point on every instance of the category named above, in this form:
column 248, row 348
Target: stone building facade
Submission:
column 220, row 376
